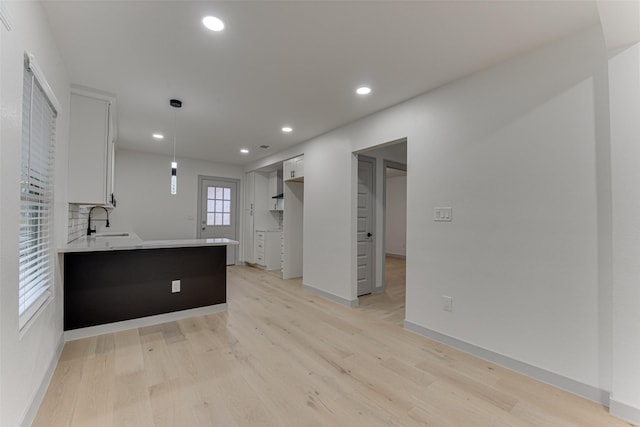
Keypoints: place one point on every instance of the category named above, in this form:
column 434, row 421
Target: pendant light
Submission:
column 175, row 103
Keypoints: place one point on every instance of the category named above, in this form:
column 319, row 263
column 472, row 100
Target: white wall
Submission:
column 327, row 217
column 396, row 219
column 624, row 74
column 513, row 150
column 144, row 204
column 26, row 361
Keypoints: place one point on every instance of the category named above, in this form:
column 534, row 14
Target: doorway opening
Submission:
column 387, row 224
column 395, row 239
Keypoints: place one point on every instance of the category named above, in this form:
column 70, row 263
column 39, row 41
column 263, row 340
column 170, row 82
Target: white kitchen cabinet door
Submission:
column 91, row 149
column 257, row 213
column 294, row 169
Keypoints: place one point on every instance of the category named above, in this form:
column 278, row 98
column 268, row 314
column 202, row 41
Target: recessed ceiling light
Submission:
column 244, row 151
column 213, row 23
column 363, row 90
column 158, row 136
column 287, row 129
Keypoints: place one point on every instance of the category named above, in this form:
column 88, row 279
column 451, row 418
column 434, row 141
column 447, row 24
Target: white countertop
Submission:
column 126, row 241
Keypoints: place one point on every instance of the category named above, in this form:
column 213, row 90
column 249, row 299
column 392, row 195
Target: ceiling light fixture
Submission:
column 158, row 136
column 213, row 23
column 363, row 90
column 244, row 151
column 287, row 129
column 175, row 103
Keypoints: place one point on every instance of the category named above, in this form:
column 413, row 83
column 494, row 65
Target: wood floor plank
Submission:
column 96, row 392
column 280, row 356
column 60, row 399
column 171, row 404
column 159, row 367
column 128, row 352
column 132, row 406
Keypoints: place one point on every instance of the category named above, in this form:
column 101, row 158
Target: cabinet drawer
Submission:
column 260, row 235
column 260, row 259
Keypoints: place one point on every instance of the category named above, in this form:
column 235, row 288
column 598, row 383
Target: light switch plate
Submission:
column 443, row 214
column 447, row 303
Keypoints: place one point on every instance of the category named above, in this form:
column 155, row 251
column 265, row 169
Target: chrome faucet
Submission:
column 89, row 230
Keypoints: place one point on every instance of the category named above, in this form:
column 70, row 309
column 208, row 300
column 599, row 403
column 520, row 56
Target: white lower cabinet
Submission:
column 267, row 246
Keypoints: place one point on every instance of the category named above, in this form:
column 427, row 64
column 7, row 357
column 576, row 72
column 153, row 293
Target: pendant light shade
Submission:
column 174, row 177
column 175, row 103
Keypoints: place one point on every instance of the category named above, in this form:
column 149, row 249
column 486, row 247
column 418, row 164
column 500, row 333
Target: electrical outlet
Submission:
column 175, row 286
column 447, row 303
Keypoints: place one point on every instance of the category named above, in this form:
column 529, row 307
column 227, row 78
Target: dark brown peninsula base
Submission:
column 112, row 286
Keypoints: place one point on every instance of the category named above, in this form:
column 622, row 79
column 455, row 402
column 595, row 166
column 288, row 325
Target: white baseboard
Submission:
column 108, row 328
column 31, row 413
column 589, row 392
column 625, row 412
column 330, row 296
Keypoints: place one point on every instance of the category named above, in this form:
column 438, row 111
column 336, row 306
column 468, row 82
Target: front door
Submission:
column 366, row 224
column 218, row 206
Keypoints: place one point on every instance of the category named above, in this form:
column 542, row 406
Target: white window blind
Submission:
column 36, row 197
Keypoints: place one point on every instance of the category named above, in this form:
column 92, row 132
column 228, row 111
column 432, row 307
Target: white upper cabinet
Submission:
column 92, row 141
column 294, row 169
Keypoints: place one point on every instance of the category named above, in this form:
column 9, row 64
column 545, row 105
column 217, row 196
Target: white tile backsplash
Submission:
column 78, row 221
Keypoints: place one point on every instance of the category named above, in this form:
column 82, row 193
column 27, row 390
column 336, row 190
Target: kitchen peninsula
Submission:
column 114, row 277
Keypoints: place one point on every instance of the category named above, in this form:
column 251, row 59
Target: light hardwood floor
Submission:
column 280, row 356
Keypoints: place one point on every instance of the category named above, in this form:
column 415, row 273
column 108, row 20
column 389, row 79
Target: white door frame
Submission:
column 237, row 206
column 394, row 165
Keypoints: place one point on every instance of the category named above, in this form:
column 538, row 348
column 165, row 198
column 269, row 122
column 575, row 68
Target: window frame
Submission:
column 39, row 197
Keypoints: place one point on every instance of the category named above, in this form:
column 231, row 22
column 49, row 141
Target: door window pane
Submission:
column 218, row 206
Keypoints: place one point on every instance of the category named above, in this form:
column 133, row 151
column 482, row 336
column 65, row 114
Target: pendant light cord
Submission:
column 175, row 131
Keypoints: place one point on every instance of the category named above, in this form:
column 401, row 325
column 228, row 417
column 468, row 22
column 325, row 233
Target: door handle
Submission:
column 369, row 234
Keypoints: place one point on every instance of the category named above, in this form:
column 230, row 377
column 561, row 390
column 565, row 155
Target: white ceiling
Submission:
column 291, row 62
